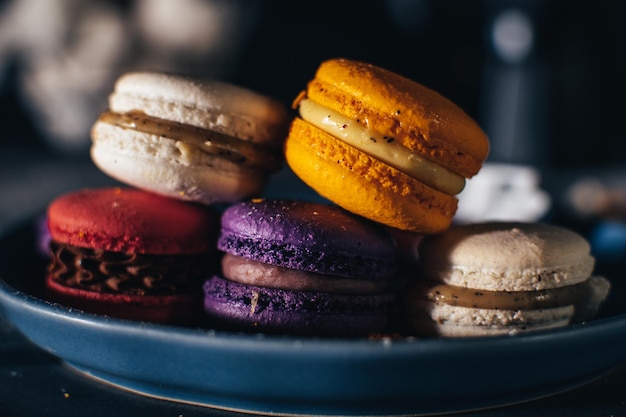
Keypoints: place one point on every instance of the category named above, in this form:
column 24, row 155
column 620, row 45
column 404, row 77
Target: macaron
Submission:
column 131, row 254
column 296, row 267
column 199, row 140
column 502, row 278
column 383, row 146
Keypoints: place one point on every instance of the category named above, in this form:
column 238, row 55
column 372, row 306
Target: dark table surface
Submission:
column 35, row 383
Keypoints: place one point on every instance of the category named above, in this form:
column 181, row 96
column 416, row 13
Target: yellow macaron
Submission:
column 383, row 146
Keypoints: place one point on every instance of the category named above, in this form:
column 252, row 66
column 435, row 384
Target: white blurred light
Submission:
column 190, row 26
column 512, row 36
column 69, row 52
column 504, row 192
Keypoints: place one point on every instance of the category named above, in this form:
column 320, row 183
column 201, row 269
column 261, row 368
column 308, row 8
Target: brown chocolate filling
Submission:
column 127, row 273
column 235, row 150
column 506, row 300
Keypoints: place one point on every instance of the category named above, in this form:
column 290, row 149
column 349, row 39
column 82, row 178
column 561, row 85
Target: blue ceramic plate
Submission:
column 308, row 376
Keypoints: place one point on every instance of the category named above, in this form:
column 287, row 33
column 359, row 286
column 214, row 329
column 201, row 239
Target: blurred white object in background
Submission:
column 503, row 192
column 512, row 35
column 596, row 198
column 205, row 36
column 68, row 53
column 515, row 86
column 202, row 38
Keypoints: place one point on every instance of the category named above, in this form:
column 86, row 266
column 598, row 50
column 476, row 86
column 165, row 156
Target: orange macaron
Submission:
column 383, row 146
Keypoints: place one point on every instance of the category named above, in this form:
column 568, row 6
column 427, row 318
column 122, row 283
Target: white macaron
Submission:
column 198, row 140
column 502, row 278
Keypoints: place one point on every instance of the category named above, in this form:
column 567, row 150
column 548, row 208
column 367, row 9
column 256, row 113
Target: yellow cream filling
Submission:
column 381, row 147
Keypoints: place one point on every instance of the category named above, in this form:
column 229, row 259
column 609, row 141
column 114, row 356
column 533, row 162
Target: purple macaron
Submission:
column 299, row 267
column 272, row 310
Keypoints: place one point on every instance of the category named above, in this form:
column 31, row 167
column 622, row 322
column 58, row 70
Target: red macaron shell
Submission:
column 177, row 309
column 132, row 221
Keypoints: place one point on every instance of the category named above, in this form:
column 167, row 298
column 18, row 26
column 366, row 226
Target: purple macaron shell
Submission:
column 250, row 308
column 43, row 238
column 308, row 236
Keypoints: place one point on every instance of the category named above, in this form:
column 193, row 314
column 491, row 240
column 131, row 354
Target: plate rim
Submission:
column 392, row 351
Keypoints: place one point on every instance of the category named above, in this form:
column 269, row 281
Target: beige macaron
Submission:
column 200, row 140
column 502, row 278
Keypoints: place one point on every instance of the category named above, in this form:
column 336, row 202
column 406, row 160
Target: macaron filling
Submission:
column 506, row 300
column 381, row 147
column 126, row 273
column 248, row 271
column 262, row 298
column 240, row 152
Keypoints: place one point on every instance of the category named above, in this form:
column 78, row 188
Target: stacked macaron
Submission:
column 130, row 254
column 203, row 141
column 502, row 278
column 142, row 253
column 304, row 268
column 383, row 146
column 389, row 153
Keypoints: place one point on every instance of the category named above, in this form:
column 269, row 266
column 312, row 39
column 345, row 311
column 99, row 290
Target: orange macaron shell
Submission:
column 363, row 185
column 419, row 118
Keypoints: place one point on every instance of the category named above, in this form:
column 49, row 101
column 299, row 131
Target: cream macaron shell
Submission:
column 202, row 141
column 170, row 168
column 468, row 321
column 212, row 105
column 507, row 257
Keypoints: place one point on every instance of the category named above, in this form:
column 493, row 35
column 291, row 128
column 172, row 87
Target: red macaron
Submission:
column 131, row 254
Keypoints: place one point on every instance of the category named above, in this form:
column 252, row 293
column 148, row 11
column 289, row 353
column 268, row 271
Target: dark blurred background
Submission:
column 544, row 78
